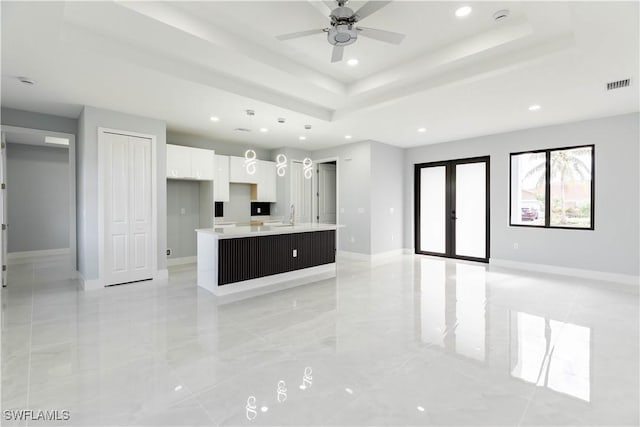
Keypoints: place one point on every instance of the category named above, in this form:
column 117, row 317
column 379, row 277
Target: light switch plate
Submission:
column 295, row 253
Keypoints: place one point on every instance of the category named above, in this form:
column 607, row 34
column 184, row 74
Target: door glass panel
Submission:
column 471, row 210
column 433, row 209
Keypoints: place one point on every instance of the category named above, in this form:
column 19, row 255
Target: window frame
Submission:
column 547, row 188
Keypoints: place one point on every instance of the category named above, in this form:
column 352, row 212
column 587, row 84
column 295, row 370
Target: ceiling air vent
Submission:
column 619, row 84
column 242, row 130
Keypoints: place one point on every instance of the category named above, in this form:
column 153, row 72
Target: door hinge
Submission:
column 4, row 267
column 4, row 226
column 3, row 185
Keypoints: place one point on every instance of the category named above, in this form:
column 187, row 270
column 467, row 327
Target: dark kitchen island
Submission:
column 237, row 259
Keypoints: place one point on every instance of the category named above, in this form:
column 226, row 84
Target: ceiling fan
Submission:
column 343, row 30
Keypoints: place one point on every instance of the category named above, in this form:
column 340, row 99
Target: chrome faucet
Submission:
column 292, row 215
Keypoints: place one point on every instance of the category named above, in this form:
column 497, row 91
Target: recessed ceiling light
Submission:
column 263, row 130
column 214, row 119
column 534, row 107
column 347, row 137
column 463, row 11
column 420, row 408
column 352, row 62
column 422, row 130
column 302, row 138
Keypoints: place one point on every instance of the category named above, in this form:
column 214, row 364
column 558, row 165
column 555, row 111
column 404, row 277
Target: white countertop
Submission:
column 264, row 230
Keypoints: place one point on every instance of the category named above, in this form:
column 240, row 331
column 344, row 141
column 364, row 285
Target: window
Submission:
column 553, row 188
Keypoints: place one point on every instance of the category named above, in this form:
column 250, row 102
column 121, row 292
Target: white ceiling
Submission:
column 183, row 62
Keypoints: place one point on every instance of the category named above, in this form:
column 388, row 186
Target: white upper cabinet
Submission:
column 221, row 180
column 190, row 163
column 239, row 172
column 266, row 191
column 202, row 164
column 264, row 177
column 178, row 162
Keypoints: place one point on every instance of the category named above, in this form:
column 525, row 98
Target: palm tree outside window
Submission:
column 553, row 188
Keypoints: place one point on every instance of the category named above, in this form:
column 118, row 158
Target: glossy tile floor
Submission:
column 412, row 341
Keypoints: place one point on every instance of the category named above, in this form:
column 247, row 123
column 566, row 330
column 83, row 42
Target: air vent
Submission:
column 242, row 130
column 619, row 84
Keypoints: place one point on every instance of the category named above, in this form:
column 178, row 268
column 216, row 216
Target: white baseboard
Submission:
column 161, row 274
column 91, row 284
column 31, row 256
column 356, row 256
column 181, row 261
column 565, row 271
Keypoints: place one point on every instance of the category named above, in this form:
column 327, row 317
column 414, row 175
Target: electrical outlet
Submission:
column 168, row 252
column 295, row 253
column 259, row 210
column 353, row 240
column 515, row 246
column 183, row 211
column 391, row 210
column 360, row 210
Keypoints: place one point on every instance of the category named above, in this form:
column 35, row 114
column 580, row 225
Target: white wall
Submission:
column 181, row 235
column 238, row 208
column 387, row 201
column 28, row 119
column 220, row 147
column 354, row 194
column 38, row 197
column 614, row 245
column 90, row 120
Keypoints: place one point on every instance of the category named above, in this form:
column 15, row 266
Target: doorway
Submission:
column 326, row 193
column 301, row 190
column 38, row 199
column 452, row 209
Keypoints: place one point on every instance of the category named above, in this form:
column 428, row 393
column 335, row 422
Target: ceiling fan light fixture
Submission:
column 342, row 35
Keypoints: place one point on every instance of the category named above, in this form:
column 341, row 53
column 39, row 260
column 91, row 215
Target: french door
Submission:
column 452, row 209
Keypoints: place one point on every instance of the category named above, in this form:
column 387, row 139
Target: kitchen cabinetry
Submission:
column 263, row 180
column 190, row 163
column 266, row 186
column 238, row 171
column 221, row 180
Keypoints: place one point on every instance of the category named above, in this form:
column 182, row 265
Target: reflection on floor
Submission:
column 411, row 341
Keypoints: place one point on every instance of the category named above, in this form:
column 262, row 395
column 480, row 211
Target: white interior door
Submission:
column 301, row 190
column 326, row 193
column 128, row 236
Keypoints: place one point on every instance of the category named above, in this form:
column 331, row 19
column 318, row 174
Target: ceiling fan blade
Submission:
column 370, row 8
column 336, row 54
column 324, row 7
column 290, row 36
column 381, row 35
